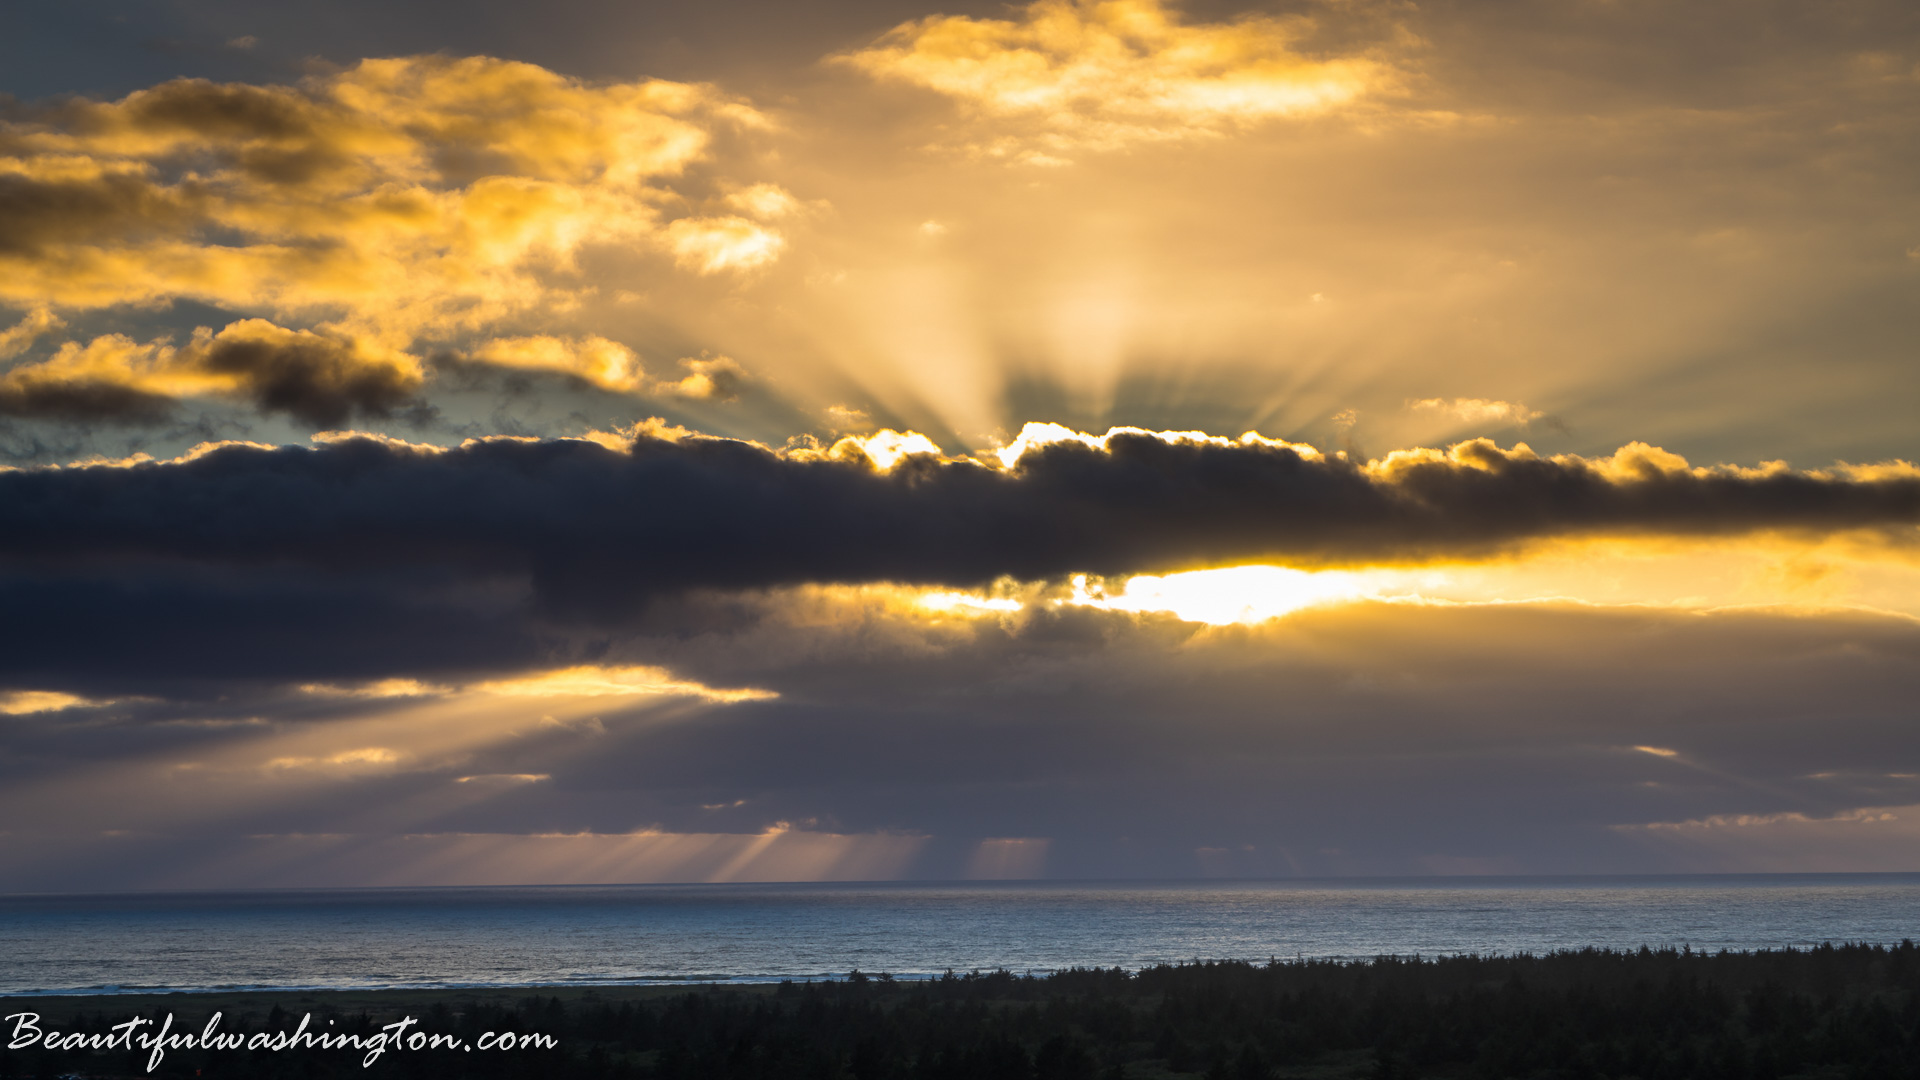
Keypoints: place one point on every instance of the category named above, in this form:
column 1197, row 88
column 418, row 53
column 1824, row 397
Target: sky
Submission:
column 484, row 443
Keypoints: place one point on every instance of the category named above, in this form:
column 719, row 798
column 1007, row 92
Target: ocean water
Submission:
column 667, row 933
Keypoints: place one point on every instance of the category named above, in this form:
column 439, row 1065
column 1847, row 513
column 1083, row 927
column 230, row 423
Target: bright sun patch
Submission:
column 1240, row 594
column 591, row 681
column 1759, row 575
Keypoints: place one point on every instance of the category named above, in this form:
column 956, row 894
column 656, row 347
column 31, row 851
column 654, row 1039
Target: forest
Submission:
column 1830, row 1011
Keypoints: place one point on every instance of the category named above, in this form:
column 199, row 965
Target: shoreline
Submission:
column 1753, row 1015
column 647, row 989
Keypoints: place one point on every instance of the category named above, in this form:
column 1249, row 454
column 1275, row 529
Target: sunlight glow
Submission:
column 1781, row 575
column 968, row 603
column 591, row 681
column 23, row 702
column 1034, row 435
column 1009, row 858
column 384, row 688
column 584, row 681
column 362, row 759
column 779, row 853
column 1248, row 594
column 887, row 447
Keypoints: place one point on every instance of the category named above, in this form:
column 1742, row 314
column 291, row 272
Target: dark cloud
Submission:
column 321, row 381
column 84, row 400
column 37, row 213
column 1371, row 738
column 272, row 133
column 1359, row 738
column 599, row 530
column 225, row 111
column 189, row 631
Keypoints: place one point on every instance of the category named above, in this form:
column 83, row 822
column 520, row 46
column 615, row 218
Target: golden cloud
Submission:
column 1104, row 73
column 582, row 681
column 607, row 364
column 710, row 245
column 1479, row 410
column 360, row 759
column 1634, row 462
column 15, row 339
column 321, row 379
column 620, row 682
column 717, row 378
column 24, row 702
column 612, row 366
column 401, row 199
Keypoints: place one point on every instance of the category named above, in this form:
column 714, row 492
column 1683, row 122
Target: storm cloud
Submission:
column 597, row 528
column 1370, row 738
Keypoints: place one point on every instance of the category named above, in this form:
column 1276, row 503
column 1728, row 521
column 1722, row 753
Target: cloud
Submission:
column 320, row 379
column 606, row 364
column 194, row 630
column 602, row 525
column 381, row 688
column 1788, row 841
column 323, row 381
column 40, row 398
column 22, row 702
column 716, row 378
column 622, row 682
column 846, row 418
column 1866, row 815
column 360, row 759
column 610, row 366
column 427, row 190
column 399, row 200
column 711, row 245
column 1069, row 742
column 768, row 202
column 1476, row 411
column 15, row 339
column 1731, row 188
column 1101, row 74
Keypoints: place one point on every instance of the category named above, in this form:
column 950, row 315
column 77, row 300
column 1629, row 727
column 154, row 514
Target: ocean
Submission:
column 586, row 935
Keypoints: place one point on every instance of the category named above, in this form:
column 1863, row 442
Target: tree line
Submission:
column 1846, row 1011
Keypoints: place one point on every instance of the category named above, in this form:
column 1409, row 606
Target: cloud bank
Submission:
column 396, row 204
column 1368, row 738
column 601, row 525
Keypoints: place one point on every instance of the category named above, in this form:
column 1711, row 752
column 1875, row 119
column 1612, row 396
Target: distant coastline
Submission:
column 1766, row 1015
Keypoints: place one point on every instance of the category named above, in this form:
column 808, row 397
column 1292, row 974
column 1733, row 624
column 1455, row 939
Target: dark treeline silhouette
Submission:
column 1830, row 1011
